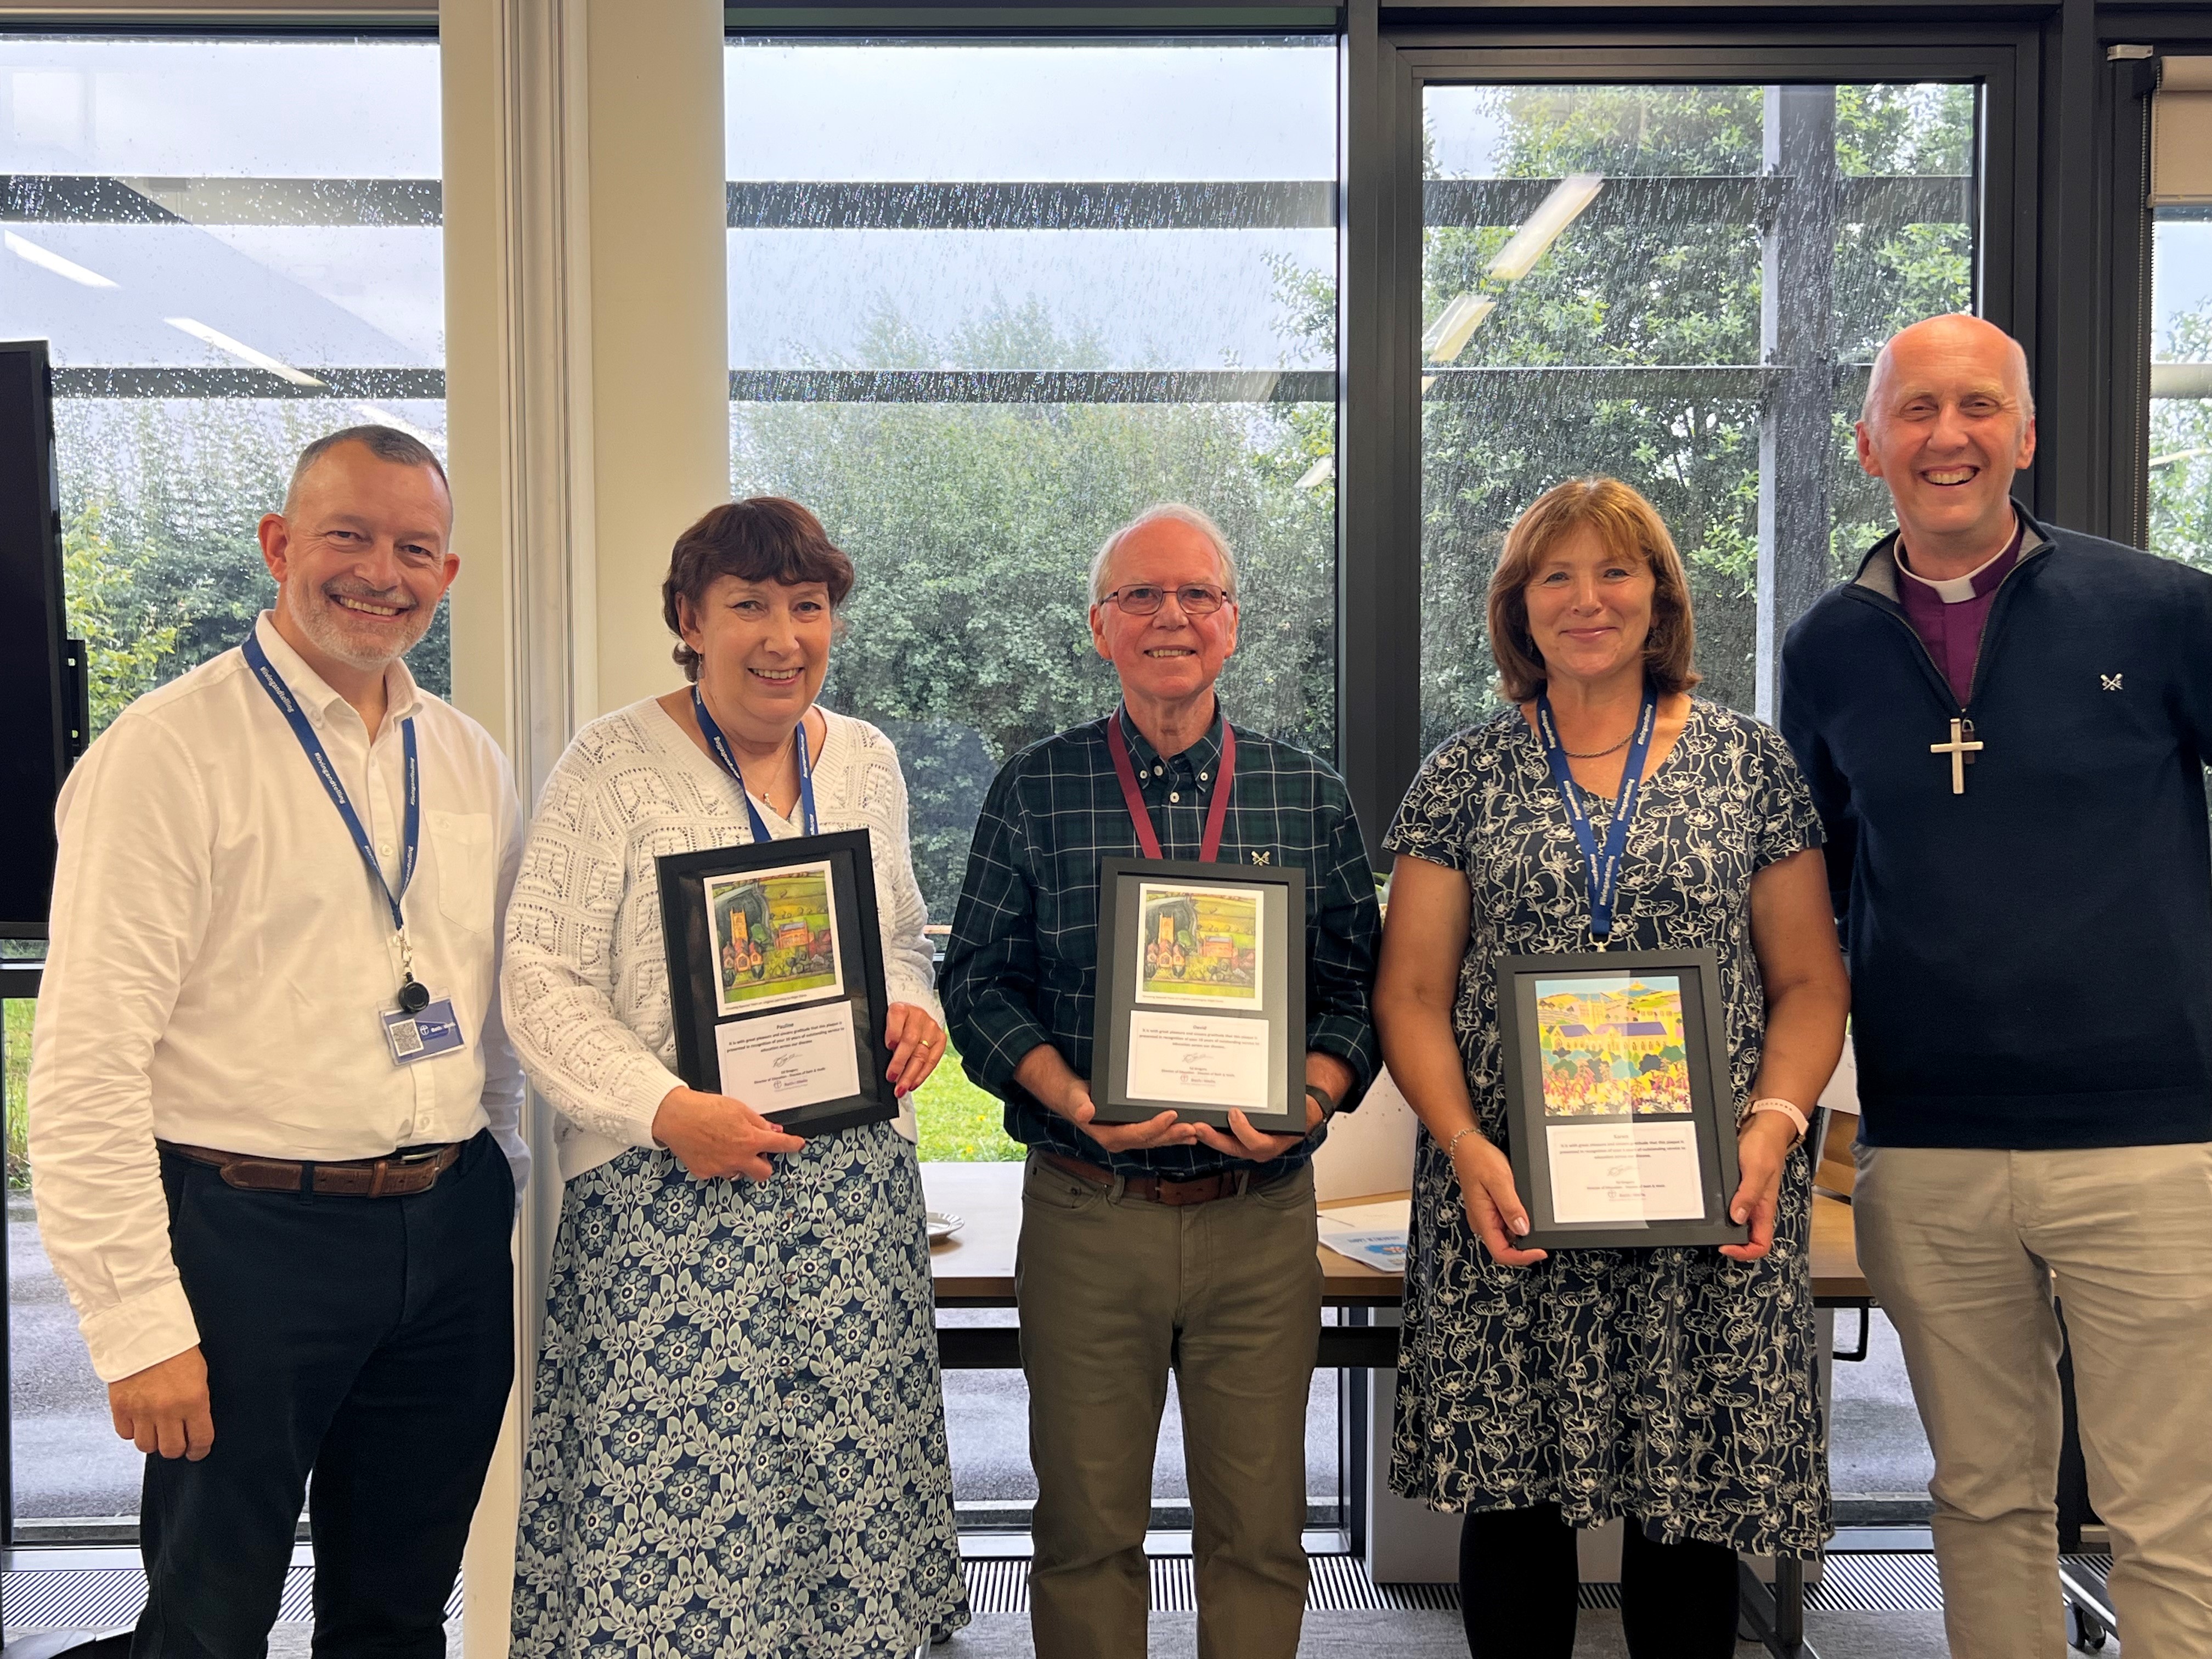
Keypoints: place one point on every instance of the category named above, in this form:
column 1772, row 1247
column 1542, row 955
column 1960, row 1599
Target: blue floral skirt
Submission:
column 737, row 1448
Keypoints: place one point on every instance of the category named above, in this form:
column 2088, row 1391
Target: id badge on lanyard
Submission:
column 422, row 1027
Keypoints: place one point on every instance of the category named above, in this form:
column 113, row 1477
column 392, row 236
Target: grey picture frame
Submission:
column 1281, row 954
column 1712, row 1098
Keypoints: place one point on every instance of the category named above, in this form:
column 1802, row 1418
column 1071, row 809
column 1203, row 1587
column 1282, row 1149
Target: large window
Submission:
column 2181, row 386
column 989, row 300
column 232, row 247
column 1680, row 286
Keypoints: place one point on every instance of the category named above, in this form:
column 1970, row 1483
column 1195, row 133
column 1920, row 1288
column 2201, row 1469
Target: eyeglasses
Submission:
column 1142, row 598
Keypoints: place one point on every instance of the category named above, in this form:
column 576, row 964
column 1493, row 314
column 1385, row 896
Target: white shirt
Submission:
column 587, row 983
column 219, row 956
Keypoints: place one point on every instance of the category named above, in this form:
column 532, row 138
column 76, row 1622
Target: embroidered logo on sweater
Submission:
column 2111, row 681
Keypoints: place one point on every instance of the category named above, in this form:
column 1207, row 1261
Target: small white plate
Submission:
column 943, row 1225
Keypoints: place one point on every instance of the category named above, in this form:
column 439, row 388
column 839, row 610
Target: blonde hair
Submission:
column 1628, row 526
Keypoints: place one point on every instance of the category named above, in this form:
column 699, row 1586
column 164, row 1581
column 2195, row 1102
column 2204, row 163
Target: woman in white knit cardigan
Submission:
column 738, row 1443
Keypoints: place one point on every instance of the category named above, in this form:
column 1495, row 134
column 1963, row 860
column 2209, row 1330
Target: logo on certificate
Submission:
column 774, row 938
column 1203, row 946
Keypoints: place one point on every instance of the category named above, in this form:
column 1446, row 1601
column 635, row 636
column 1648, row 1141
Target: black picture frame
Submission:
column 699, row 1001
column 1703, row 1042
column 1279, row 984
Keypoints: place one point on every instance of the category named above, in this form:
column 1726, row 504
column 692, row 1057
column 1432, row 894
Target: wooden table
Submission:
column 974, row 1268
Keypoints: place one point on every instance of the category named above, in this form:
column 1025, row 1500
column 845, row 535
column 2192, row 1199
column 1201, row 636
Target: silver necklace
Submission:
column 1599, row 754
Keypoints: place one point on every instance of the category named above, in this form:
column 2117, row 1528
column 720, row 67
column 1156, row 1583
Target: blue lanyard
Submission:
column 280, row 695
column 721, row 747
column 1604, row 868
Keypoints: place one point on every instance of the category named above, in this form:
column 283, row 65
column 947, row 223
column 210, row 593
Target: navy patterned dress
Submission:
column 738, row 1449
column 1672, row 1385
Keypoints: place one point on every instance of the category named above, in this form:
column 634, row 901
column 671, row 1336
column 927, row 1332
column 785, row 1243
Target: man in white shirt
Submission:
column 273, row 1114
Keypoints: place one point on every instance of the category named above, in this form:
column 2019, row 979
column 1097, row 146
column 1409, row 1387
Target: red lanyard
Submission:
column 1216, row 808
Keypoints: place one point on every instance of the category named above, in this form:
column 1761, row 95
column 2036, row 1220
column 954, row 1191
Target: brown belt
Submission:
column 1158, row 1189
column 399, row 1175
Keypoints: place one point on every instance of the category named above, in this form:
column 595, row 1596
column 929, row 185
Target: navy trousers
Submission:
column 359, row 1350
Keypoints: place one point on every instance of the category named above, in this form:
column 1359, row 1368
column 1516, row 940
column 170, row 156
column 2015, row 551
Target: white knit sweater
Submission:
column 585, row 986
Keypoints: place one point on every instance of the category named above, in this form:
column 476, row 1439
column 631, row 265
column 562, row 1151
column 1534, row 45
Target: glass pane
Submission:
column 1597, row 300
column 223, row 272
column 973, row 347
column 2181, row 386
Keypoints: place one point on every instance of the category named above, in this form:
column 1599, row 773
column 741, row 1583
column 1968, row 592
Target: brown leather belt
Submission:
column 399, row 1175
column 1158, row 1189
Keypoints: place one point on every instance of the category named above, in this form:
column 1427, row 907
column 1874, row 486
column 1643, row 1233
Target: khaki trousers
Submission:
column 1114, row 1292
column 1960, row 1247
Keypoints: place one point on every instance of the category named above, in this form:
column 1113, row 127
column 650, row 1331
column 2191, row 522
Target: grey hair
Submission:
column 386, row 443
column 1173, row 512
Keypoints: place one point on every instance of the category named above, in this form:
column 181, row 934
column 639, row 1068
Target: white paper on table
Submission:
column 1625, row 1170
column 1391, row 1214
column 1198, row 1060
column 1373, row 1234
column 781, row 1062
column 1385, row 1252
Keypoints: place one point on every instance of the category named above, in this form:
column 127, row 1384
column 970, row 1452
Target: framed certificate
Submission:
column 1620, row 1116
column 1201, row 993
column 775, row 978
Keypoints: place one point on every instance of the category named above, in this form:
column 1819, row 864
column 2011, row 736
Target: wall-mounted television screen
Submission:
column 41, row 682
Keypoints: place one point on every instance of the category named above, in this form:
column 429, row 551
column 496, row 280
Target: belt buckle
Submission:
column 416, row 1157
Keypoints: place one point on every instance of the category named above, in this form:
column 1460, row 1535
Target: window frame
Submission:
column 1379, row 481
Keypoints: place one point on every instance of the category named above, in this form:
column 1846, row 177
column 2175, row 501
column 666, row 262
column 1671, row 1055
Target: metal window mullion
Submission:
column 1796, row 310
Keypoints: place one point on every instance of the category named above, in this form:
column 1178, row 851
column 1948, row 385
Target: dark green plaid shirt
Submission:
column 1022, row 966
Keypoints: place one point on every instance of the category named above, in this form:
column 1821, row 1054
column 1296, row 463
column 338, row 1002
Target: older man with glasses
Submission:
column 1166, row 1244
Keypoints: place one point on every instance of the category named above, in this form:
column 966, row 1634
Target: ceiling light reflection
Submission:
column 47, row 259
column 1542, row 228
column 243, row 352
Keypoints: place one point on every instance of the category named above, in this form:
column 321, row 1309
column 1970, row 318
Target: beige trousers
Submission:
column 1961, row 1248
column 1113, row 1293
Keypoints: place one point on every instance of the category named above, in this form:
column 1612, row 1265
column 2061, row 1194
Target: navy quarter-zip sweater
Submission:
column 2032, row 960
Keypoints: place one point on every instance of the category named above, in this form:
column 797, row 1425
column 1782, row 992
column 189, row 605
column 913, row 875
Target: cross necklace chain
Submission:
column 1962, row 748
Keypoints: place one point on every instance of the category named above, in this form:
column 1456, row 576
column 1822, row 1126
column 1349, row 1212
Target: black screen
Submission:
column 36, row 678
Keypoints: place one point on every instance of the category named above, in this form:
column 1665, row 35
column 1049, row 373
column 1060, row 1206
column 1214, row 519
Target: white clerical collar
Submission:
column 1957, row 590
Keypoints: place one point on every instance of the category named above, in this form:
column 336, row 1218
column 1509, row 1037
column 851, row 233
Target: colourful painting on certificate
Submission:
column 1611, row 1046
column 1203, row 946
column 774, row 938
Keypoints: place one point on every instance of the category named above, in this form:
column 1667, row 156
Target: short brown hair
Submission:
column 1628, row 526
column 763, row 538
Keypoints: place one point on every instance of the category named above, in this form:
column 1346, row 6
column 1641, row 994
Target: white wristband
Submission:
column 1776, row 1103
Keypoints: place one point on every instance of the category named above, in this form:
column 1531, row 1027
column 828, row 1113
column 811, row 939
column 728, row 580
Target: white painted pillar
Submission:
column 588, row 423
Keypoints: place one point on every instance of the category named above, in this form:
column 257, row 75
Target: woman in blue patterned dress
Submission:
column 737, row 1449
column 1673, row 1387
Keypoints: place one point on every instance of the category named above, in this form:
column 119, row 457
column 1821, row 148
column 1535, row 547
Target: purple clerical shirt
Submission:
column 1949, row 614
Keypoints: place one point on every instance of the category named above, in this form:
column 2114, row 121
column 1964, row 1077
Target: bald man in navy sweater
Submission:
column 2006, row 726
